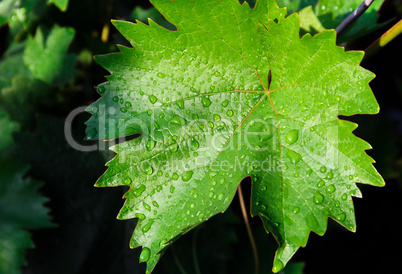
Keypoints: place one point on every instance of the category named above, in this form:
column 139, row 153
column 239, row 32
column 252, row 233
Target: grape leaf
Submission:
column 61, row 4
column 7, row 127
column 20, row 13
column 328, row 14
column 47, row 58
column 234, row 92
column 21, row 207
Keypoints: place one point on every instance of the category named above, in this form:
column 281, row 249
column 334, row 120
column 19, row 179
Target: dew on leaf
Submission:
column 329, row 175
column 181, row 104
column 174, row 147
column 294, row 157
column 139, row 190
column 331, row 189
column 229, row 113
column 161, row 75
column 340, row 217
column 155, row 204
column 292, row 136
column 344, row 196
column 278, row 265
column 146, row 206
column 225, row 103
column 175, row 176
column 217, row 118
column 187, row 175
column 321, row 183
column 323, row 169
column 147, row 227
column 176, row 120
column 205, row 102
column 318, row 198
column 150, row 170
column 152, row 99
column 172, row 188
column 127, row 105
column 115, row 99
column 101, row 89
column 124, row 110
column 296, row 210
column 194, row 144
column 150, row 145
column 140, row 216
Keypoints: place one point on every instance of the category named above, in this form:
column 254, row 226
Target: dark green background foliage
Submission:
column 47, row 70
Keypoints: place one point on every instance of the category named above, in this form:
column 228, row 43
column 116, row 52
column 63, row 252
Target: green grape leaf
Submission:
column 47, row 58
column 316, row 16
column 21, row 207
column 234, row 92
column 7, row 127
column 61, row 4
column 19, row 13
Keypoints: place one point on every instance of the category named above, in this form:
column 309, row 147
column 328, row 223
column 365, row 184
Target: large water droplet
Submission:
column 194, row 144
column 175, row 176
column 146, row 206
column 101, row 89
column 278, row 265
column 329, row 176
column 340, row 217
column 152, row 99
column 174, row 147
column 331, row 189
column 217, row 118
column 225, row 103
column 150, row 145
column 292, row 136
column 229, row 113
column 140, row 216
column 149, row 170
column 187, row 175
column 205, row 101
column 147, row 227
column 318, row 198
column 321, row 183
column 181, row 104
column 138, row 191
column 176, row 120
column 293, row 156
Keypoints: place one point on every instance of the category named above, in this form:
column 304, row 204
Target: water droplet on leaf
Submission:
column 292, row 136
column 187, row 175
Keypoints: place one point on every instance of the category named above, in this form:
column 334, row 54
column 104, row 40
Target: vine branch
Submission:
column 250, row 233
column 384, row 39
column 353, row 16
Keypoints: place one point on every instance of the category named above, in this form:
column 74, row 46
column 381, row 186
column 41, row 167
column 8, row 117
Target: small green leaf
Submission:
column 47, row 58
column 61, row 4
column 21, row 207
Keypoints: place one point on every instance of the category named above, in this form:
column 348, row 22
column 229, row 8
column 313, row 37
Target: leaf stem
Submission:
column 353, row 16
column 178, row 263
column 250, row 233
column 383, row 40
column 194, row 247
